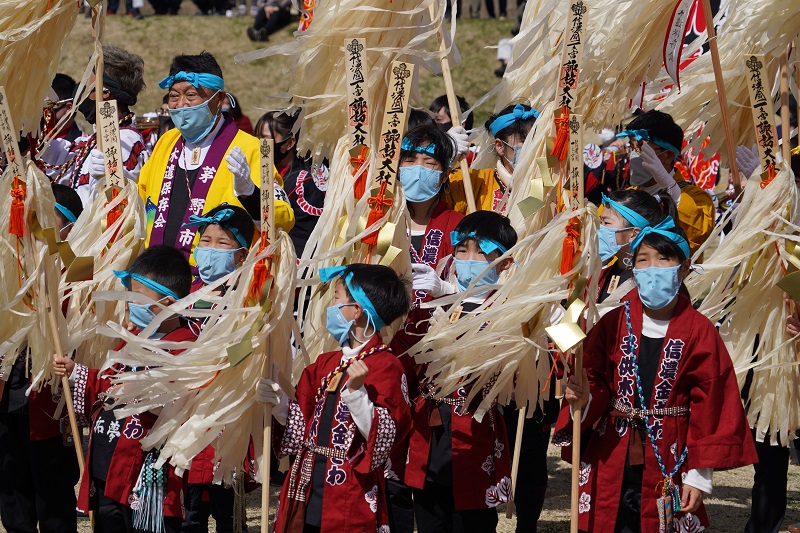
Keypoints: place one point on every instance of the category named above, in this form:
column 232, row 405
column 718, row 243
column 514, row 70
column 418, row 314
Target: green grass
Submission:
column 158, row 39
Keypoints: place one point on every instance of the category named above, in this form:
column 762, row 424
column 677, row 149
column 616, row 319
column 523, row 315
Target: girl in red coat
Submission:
column 352, row 407
column 661, row 405
column 117, row 480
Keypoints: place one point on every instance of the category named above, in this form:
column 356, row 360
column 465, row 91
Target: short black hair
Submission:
column 389, row 293
column 659, row 125
column 165, row 265
column 202, row 62
column 64, row 86
column 521, row 128
column 165, row 99
column 441, row 102
column 241, row 221
column 68, row 197
column 651, row 208
column 418, row 117
column 430, row 134
column 664, row 245
column 489, row 225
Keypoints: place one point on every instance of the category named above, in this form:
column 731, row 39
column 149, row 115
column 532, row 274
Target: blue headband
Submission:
column 218, row 218
column 197, row 79
column 487, row 246
column 328, row 273
column 644, row 135
column 125, row 277
column 517, row 114
column 69, row 215
column 429, row 149
column 662, row 228
column 628, row 214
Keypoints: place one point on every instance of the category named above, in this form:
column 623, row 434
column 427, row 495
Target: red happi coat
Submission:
column 89, row 394
column 695, row 370
column 354, row 497
column 480, row 453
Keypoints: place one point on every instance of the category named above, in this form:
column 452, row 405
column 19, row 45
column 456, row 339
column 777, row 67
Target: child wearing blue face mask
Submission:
column 352, row 408
column 623, row 215
column 657, row 382
column 458, row 467
column 226, row 233
column 114, row 483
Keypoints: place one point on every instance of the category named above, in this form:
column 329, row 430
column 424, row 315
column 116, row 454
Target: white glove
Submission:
column 237, row 164
column 460, row 139
column 268, row 391
column 96, row 164
column 426, row 279
column 652, row 164
column 747, row 160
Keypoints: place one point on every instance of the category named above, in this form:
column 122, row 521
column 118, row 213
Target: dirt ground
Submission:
column 728, row 509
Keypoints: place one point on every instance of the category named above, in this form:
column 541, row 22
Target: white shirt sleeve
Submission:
column 360, row 407
column 700, row 478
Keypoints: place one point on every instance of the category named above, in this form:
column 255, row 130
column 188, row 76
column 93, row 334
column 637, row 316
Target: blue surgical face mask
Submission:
column 607, row 240
column 420, row 183
column 194, row 122
column 517, row 151
column 141, row 315
column 337, row 325
column 657, row 286
column 214, row 263
column 467, row 270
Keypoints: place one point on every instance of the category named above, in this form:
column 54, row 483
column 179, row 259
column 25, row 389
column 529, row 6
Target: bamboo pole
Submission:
column 730, row 145
column 515, row 462
column 455, row 112
column 577, row 414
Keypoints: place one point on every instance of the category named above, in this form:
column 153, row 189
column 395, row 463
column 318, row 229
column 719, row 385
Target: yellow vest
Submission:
column 484, row 187
column 151, row 180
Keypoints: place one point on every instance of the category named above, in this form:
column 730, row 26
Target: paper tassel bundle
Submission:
column 113, row 248
column 337, row 241
column 206, row 400
column 489, row 350
column 395, row 31
column 32, row 34
column 750, row 27
column 737, row 289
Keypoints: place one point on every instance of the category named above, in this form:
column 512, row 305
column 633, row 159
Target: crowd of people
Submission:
column 374, row 445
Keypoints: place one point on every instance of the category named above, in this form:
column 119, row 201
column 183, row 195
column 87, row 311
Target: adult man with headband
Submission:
column 205, row 161
column 657, row 142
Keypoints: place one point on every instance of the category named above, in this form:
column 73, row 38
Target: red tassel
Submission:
column 561, row 142
column 17, row 224
column 378, row 205
column 260, row 274
column 116, row 212
column 571, row 245
column 356, row 162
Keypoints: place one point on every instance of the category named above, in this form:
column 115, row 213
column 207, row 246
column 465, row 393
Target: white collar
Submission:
column 349, row 353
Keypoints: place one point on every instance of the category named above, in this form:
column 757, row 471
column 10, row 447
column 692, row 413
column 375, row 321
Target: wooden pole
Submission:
column 577, row 414
column 268, row 231
column 515, row 461
column 730, row 145
column 73, row 421
column 786, row 128
column 455, row 112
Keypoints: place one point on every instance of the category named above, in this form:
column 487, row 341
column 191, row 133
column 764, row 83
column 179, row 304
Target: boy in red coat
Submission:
column 352, row 407
column 117, row 476
column 660, row 402
column 458, row 467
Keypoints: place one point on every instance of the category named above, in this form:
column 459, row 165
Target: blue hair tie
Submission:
column 644, row 135
column 628, row 214
column 125, row 278
column 69, row 215
column 217, row 218
column 662, row 228
column 328, row 273
column 487, row 246
column 517, row 114
column 198, row 79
